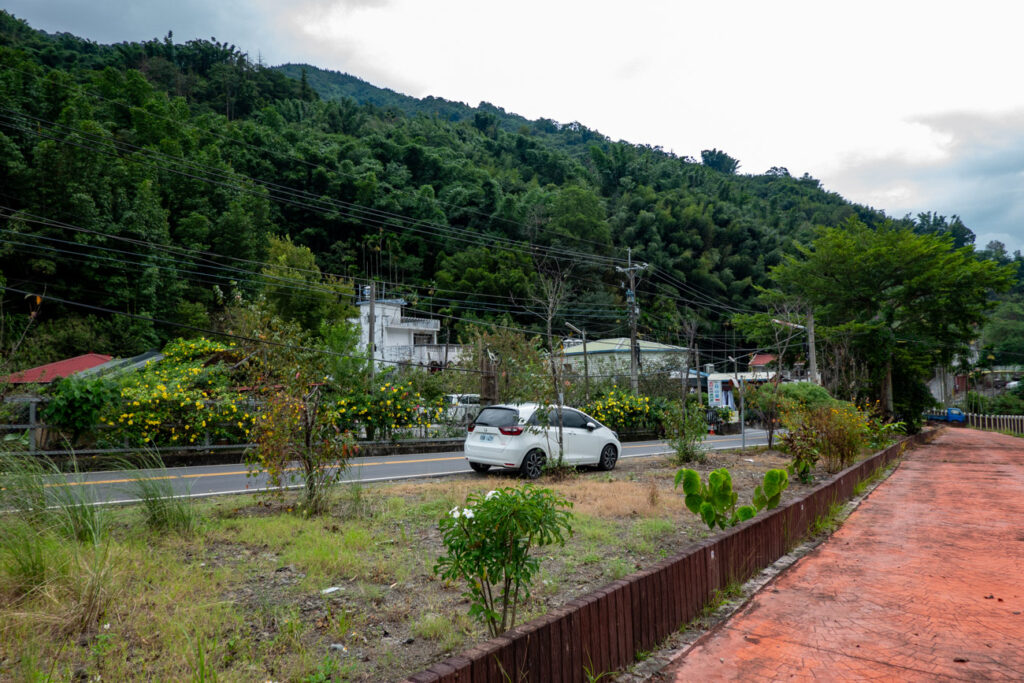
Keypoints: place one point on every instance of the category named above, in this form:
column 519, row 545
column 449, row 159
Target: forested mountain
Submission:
column 154, row 179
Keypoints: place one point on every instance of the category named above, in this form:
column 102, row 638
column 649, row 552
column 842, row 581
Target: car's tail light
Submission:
column 514, row 430
column 470, row 427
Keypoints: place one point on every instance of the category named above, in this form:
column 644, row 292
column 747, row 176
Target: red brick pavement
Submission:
column 924, row 581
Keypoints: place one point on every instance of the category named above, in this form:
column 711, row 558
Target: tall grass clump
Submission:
column 23, row 487
column 163, row 508
column 78, row 514
column 41, row 510
column 26, row 557
column 36, row 490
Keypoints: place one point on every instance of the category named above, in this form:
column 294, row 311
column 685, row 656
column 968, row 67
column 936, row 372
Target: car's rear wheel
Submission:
column 479, row 467
column 533, row 464
column 609, row 456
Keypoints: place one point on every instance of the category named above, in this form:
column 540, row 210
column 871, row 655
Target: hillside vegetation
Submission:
column 157, row 179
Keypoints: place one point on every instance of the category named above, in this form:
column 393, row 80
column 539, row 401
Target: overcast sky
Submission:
column 904, row 106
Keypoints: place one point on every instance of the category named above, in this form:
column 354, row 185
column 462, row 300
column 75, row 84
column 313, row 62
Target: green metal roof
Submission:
column 620, row 345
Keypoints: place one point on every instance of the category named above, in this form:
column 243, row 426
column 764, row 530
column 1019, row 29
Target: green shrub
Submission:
column 801, row 443
column 488, row 545
column 76, row 403
column 686, row 432
column 837, row 433
column 179, row 400
column 806, row 395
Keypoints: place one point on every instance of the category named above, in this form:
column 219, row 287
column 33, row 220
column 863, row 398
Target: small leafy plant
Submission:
column 488, row 545
column 687, row 430
column 768, row 493
column 802, row 445
column 715, row 501
column 881, row 433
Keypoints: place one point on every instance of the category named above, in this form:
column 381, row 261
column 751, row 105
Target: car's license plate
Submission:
column 487, row 437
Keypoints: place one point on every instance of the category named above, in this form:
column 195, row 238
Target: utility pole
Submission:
column 373, row 324
column 812, row 353
column 742, row 390
column 700, row 388
column 586, row 364
column 634, row 349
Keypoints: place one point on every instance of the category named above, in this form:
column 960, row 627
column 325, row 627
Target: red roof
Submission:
column 762, row 359
column 45, row 374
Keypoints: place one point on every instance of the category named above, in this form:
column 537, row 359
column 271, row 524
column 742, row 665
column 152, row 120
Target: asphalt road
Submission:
column 216, row 480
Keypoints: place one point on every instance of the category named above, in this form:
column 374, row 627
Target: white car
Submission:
column 523, row 436
column 460, row 408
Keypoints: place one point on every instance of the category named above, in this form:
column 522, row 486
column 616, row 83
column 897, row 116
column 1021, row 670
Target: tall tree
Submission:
column 910, row 300
column 719, row 160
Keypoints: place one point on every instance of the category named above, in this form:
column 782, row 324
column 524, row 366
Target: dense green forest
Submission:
column 144, row 184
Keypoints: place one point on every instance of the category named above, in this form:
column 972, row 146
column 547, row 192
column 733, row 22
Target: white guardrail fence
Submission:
column 1013, row 424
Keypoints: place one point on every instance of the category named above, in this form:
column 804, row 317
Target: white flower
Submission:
column 106, row 627
column 454, row 512
column 467, row 513
column 490, row 494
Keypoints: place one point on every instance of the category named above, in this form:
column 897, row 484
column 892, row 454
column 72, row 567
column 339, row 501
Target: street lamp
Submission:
column 586, row 365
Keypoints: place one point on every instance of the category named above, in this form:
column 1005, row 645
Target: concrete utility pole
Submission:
column 634, row 349
column 586, row 364
column 742, row 390
column 700, row 388
column 373, row 324
column 812, row 353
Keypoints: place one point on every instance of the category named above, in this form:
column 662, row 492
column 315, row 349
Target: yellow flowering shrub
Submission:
column 178, row 401
column 387, row 408
column 622, row 411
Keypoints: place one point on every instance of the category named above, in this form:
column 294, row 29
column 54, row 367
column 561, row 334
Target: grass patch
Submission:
column 440, row 629
column 618, row 567
column 238, row 595
column 881, row 472
column 163, row 508
column 828, row 522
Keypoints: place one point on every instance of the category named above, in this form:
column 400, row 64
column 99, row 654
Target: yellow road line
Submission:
column 241, row 472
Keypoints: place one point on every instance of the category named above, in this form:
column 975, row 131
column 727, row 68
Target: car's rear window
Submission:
column 497, row 417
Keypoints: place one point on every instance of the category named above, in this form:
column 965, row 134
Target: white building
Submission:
column 403, row 339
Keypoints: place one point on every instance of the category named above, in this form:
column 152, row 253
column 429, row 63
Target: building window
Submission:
column 422, row 339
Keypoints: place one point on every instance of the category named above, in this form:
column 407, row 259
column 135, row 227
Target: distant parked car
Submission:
column 1013, row 385
column 523, row 436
